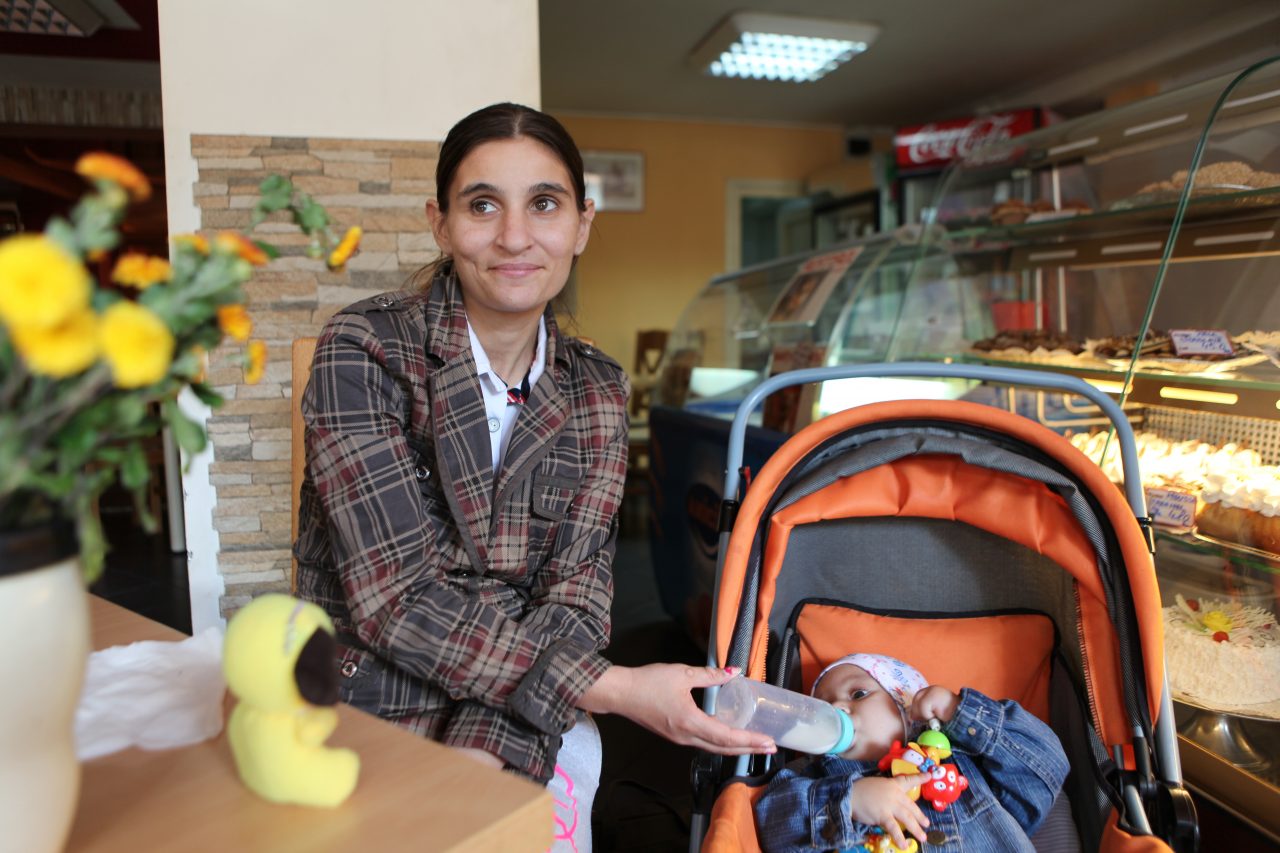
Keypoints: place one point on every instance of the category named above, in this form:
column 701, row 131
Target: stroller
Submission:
column 977, row 545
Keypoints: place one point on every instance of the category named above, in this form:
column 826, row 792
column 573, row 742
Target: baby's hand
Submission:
column 935, row 701
column 883, row 801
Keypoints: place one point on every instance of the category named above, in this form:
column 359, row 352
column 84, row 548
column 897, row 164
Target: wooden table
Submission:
column 412, row 795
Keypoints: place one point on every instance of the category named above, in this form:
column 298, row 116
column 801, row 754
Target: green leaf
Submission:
column 60, row 231
column 104, row 299
column 143, row 509
column 276, row 193
column 56, row 486
column 310, row 215
column 271, row 251
column 134, row 471
column 95, row 224
column 189, row 434
column 207, row 395
column 111, row 454
column 130, row 410
column 160, row 300
column 79, row 436
column 93, row 544
column 187, row 365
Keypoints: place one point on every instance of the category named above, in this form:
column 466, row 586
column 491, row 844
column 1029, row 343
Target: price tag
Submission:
column 1171, row 508
column 1201, row 342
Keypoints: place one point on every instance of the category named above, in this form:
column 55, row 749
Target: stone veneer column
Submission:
column 378, row 185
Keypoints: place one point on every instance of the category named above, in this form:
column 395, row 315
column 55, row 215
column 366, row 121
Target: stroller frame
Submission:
column 1154, row 801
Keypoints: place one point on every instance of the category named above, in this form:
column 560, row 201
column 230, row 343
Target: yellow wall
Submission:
column 641, row 269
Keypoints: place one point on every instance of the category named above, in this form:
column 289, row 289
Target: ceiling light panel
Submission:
column 760, row 46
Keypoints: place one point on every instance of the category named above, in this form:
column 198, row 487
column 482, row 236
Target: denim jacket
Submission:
column 1015, row 767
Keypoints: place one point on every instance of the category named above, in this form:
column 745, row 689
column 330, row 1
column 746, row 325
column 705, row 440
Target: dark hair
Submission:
column 506, row 121
column 492, row 124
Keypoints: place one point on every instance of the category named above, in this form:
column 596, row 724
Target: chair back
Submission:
column 304, row 349
column 650, row 345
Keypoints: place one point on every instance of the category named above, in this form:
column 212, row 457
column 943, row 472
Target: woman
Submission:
column 465, row 465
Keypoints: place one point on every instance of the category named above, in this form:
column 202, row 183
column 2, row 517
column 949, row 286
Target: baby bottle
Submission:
column 794, row 721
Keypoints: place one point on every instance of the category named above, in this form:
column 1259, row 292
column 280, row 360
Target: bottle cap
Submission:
column 846, row 734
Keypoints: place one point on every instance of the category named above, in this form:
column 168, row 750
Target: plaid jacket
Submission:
column 470, row 609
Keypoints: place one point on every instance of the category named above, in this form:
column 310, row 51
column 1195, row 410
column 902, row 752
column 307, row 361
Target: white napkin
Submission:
column 151, row 694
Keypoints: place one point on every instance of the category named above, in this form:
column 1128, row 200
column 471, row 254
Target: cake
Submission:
column 1012, row 212
column 1210, row 179
column 1242, row 505
column 1156, row 345
column 1041, row 346
column 1237, row 497
column 1221, row 522
column 1029, row 340
column 1223, row 654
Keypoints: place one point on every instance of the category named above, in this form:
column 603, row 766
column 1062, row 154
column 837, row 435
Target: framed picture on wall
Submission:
column 615, row 179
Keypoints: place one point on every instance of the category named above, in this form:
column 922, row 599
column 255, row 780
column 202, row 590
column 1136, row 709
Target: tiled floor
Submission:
column 644, row 799
column 141, row 573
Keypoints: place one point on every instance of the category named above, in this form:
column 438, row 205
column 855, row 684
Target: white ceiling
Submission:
column 934, row 59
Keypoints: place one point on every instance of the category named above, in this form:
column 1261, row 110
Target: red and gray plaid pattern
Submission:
column 472, row 608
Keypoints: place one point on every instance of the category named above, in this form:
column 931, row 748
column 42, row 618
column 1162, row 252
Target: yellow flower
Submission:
column 233, row 320
column 346, row 248
column 100, row 166
column 141, row 271
column 136, row 343
column 233, row 241
column 195, row 241
column 62, row 350
column 257, row 362
column 41, row 284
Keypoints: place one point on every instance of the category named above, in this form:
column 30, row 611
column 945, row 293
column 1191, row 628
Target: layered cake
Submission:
column 1223, row 654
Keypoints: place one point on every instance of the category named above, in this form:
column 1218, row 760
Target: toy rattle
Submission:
column 924, row 755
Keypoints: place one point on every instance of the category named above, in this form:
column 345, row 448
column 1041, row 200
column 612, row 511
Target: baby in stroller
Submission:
column 1013, row 763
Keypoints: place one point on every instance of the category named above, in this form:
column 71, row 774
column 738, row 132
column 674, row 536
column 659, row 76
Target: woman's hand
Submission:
column 934, row 702
column 883, row 801
column 657, row 697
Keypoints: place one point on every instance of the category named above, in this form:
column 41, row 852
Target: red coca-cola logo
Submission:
column 937, row 143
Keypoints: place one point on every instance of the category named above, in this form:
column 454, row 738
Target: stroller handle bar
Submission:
column 1003, row 375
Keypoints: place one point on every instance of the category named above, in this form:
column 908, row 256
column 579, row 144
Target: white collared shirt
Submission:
column 501, row 414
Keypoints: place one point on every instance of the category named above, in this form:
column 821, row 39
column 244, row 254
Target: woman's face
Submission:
column 877, row 722
column 513, row 228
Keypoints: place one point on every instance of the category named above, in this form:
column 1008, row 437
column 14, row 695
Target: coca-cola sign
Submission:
column 938, row 143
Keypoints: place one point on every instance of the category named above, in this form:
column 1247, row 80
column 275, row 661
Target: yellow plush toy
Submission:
column 279, row 661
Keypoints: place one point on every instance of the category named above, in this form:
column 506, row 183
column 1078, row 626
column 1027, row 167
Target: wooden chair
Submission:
column 304, row 349
column 650, row 344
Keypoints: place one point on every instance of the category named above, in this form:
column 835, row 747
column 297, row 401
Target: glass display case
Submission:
column 1139, row 249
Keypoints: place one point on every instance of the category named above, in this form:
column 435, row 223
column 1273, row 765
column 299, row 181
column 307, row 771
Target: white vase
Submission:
column 44, row 634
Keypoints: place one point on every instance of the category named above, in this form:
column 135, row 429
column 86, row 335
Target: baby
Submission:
column 1013, row 762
